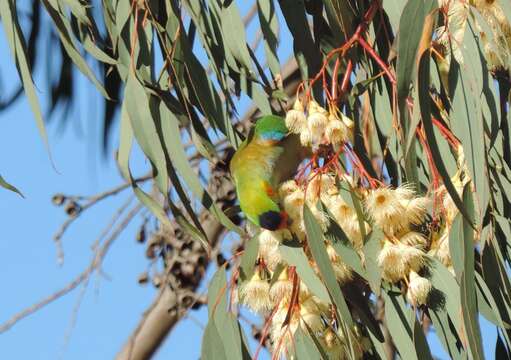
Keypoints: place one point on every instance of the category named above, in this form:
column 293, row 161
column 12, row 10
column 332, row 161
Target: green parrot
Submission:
column 268, row 156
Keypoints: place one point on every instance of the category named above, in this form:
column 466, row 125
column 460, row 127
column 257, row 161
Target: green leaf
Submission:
column 344, row 249
column 470, row 317
column 398, row 318
column 225, row 322
column 467, row 120
column 65, row 33
column 142, row 111
column 461, row 248
column 269, row 26
column 8, row 186
column 425, row 109
column 488, row 306
column 306, row 52
column 317, row 246
column 234, row 35
column 210, row 344
column 293, row 254
column 125, row 144
column 305, row 346
column 379, row 347
column 446, row 291
column 443, row 330
column 467, row 283
column 456, row 244
column 419, row 340
column 410, row 31
column 176, row 151
column 95, row 51
column 340, row 17
column 16, row 43
column 79, row 10
column 249, row 258
column 371, row 249
column 394, row 10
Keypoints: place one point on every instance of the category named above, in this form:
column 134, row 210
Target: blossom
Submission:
column 295, row 118
column 282, row 288
column 317, row 122
column 416, row 209
column 419, row 289
column 413, row 238
column 385, row 207
column 390, row 260
column 336, row 132
column 255, row 294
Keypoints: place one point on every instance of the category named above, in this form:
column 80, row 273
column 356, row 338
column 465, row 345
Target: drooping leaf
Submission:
column 269, row 26
column 249, row 258
column 316, row 243
column 371, row 250
column 225, row 322
column 467, row 283
column 295, row 256
column 305, row 346
column 16, row 43
column 6, row 185
column 123, row 156
column 174, row 147
column 318, row 249
column 467, row 117
column 63, row 26
column 399, row 320
column 425, row 109
column 410, row 25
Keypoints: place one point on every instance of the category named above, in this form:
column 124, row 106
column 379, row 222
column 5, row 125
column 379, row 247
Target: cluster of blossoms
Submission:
column 411, row 227
column 317, row 126
column 397, row 212
column 308, row 312
column 492, row 25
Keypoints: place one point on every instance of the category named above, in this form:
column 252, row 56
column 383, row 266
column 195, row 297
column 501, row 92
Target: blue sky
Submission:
column 111, row 307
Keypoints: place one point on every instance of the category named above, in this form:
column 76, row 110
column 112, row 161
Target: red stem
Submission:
column 335, row 74
column 346, row 78
column 378, row 60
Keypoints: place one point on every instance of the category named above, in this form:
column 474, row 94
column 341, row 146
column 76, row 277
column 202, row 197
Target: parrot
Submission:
column 267, row 157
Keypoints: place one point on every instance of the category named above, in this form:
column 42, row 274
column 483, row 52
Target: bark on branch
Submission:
column 173, row 300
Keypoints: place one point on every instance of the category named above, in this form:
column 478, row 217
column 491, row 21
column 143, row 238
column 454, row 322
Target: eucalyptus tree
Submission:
column 398, row 222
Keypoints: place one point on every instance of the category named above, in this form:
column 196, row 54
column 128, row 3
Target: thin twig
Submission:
column 92, row 200
column 94, row 265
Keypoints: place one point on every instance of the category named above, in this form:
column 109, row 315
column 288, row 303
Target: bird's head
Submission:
column 271, row 128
